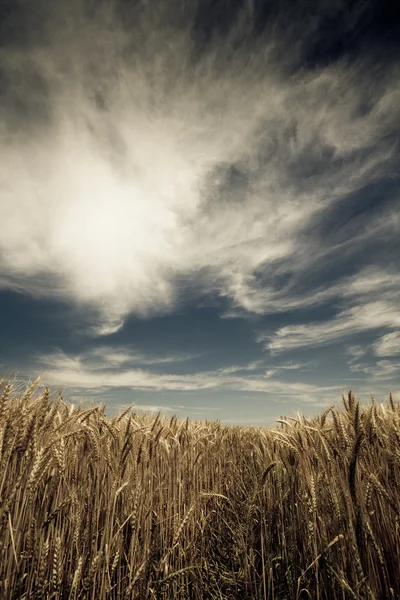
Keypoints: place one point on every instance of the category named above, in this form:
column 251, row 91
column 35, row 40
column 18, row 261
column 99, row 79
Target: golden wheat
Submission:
column 151, row 507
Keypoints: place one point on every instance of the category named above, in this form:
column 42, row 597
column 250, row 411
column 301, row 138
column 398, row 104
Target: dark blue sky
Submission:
column 199, row 203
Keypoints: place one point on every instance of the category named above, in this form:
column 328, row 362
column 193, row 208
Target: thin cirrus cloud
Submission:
column 112, row 362
column 107, row 368
column 113, row 367
column 355, row 352
column 143, row 163
column 383, row 369
column 347, row 323
column 371, row 297
column 388, row 345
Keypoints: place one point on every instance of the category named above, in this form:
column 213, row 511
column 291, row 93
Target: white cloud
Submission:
column 119, row 191
column 252, row 366
column 383, row 369
column 387, row 345
column 152, row 408
column 348, row 322
column 291, row 366
column 103, row 357
column 355, row 352
column 269, row 373
column 99, row 370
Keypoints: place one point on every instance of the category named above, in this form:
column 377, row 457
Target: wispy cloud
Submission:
column 144, row 164
column 355, row 352
column 106, row 371
column 373, row 301
column 292, row 366
column 152, row 408
column 345, row 324
column 106, row 357
column 387, row 345
column 383, row 369
column 252, row 366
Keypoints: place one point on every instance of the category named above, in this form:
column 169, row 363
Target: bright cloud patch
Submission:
column 143, row 164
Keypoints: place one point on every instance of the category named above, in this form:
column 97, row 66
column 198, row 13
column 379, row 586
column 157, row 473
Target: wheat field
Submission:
column 152, row 508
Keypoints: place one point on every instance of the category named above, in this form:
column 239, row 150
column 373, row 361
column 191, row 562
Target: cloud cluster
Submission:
column 121, row 367
column 138, row 162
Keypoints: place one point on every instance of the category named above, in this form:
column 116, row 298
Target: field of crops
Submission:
column 152, row 508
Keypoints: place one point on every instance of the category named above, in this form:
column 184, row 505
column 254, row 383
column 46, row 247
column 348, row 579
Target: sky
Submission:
column 199, row 203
